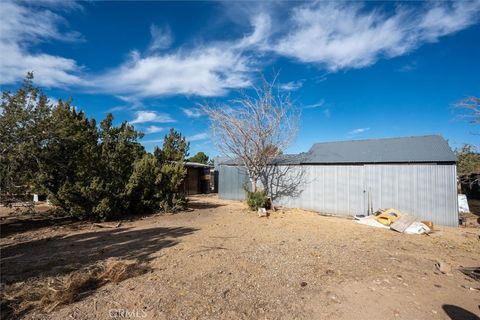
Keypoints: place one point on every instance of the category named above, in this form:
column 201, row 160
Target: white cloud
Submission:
column 318, row 104
column 162, row 38
column 154, row 141
column 411, row 66
column 153, row 129
column 292, row 85
column 205, row 70
column 23, row 26
column 193, row 112
column 198, row 137
column 346, row 35
column 151, row 116
column 209, row 71
column 358, row 131
column 261, row 31
column 329, row 35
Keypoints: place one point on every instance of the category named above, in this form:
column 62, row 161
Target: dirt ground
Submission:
column 220, row 261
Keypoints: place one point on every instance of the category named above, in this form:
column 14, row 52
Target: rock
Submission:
column 332, row 296
column 444, row 267
column 224, row 294
column 303, row 284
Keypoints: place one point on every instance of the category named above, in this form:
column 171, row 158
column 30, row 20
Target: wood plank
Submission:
column 403, row 222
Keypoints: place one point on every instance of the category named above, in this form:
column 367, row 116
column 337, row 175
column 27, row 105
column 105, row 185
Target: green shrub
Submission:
column 257, row 199
column 87, row 171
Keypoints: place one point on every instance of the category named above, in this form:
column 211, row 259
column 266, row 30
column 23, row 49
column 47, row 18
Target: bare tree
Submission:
column 471, row 109
column 255, row 128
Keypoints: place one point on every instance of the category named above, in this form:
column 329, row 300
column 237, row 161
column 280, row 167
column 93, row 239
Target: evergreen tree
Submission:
column 468, row 160
column 171, row 159
column 200, row 157
column 88, row 171
column 69, row 160
column 23, row 130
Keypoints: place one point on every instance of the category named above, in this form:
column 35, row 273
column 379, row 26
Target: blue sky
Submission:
column 357, row 70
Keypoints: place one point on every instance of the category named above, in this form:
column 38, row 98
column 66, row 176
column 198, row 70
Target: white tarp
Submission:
column 371, row 221
column 417, row 228
column 463, row 204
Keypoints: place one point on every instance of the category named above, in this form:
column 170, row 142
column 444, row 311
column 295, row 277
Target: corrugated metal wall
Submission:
column 427, row 191
column 231, row 180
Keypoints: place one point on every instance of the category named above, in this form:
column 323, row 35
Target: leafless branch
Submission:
column 255, row 128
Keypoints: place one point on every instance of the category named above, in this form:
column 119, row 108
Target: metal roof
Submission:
column 432, row 148
column 196, row 165
column 282, row 159
column 416, row 149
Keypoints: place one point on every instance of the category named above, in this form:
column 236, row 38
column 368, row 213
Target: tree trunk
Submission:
column 254, row 185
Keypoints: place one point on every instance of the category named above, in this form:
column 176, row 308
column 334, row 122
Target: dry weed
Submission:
column 46, row 294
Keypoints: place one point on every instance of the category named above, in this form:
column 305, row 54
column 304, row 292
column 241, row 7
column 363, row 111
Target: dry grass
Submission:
column 48, row 293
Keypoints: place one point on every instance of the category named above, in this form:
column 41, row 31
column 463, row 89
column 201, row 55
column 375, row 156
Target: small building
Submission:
column 416, row 175
column 198, row 178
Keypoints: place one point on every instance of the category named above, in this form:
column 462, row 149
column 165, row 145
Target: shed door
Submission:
column 356, row 190
column 193, row 181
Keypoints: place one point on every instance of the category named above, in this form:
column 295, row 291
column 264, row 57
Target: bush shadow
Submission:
column 458, row 313
column 62, row 254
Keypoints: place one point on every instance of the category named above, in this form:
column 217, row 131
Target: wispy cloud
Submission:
column 162, row 38
column 152, row 141
column 292, row 85
column 318, row 104
column 208, row 71
column 358, row 131
column 205, row 70
column 259, row 38
column 198, row 137
column 193, row 112
column 23, row 26
column 329, row 35
column 151, row 116
column 327, row 113
column 348, row 35
column 153, row 129
column 411, row 66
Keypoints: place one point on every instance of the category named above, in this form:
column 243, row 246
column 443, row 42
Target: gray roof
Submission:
column 196, row 165
column 432, row 148
column 281, row 159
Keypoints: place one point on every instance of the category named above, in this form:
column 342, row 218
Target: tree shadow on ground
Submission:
column 196, row 205
column 62, row 254
column 12, row 226
column 37, row 261
column 458, row 313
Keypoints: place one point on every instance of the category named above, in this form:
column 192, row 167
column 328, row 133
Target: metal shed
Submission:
column 416, row 175
column 197, row 179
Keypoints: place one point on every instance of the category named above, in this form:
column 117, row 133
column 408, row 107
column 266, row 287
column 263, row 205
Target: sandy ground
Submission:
column 220, row 261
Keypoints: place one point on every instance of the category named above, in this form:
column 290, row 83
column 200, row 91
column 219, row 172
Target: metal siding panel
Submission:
column 355, row 189
column 427, row 191
column 329, row 190
column 342, row 190
column 231, row 180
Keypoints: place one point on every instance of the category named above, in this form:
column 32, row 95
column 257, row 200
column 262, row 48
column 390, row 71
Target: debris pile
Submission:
column 395, row 220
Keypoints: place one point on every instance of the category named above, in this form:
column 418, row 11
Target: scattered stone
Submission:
column 332, row 296
column 444, row 267
column 224, row 294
